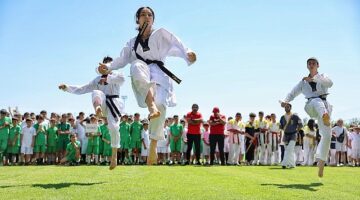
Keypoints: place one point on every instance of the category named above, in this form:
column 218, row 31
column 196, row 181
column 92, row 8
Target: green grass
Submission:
column 190, row 182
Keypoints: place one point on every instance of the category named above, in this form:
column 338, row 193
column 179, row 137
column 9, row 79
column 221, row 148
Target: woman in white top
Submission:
column 152, row 85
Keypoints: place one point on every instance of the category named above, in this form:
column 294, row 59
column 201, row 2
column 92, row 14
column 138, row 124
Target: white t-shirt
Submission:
column 28, row 134
column 355, row 140
column 145, row 137
column 339, row 130
column 163, row 143
column 80, row 130
column 23, row 124
column 184, row 136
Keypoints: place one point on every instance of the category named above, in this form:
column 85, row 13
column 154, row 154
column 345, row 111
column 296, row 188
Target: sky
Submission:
column 250, row 53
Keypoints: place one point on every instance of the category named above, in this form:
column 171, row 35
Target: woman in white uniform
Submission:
column 151, row 83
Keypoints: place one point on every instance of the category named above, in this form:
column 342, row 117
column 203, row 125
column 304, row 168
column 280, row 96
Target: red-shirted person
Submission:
column 217, row 127
column 194, row 120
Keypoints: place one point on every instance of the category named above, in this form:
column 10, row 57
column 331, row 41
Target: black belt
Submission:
column 111, row 105
column 322, row 97
column 290, row 133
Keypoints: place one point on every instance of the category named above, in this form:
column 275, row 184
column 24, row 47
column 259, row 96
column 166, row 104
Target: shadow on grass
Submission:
column 63, row 185
column 310, row 187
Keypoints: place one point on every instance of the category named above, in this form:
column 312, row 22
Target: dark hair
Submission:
column 137, row 15
column 311, row 124
column 312, row 59
column 238, row 114
column 252, row 115
column 176, row 116
column 107, row 59
column 72, row 135
column 136, row 114
column 261, row 113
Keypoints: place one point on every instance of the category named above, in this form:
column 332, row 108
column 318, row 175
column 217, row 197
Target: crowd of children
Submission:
column 31, row 139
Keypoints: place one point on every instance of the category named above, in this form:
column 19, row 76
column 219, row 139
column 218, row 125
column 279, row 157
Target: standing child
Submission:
column 309, row 142
column 206, row 141
column 27, row 141
column 40, row 140
column 5, row 123
column 355, row 146
column 63, row 136
column 72, row 151
column 184, row 144
column 341, row 141
column 135, row 133
column 14, row 141
column 261, row 129
column 92, row 153
column 162, row 145
column 106, row 138
column 273, row 141
column 299, row 158
column 176, row 131
column 145, row 140
column 235, row 128
column 124, row 140
column 52, row 135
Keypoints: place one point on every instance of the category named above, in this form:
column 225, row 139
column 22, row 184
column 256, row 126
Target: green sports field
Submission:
column 177, row 182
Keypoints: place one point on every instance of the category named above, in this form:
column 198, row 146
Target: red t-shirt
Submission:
column 219, row 128
column 194, row 129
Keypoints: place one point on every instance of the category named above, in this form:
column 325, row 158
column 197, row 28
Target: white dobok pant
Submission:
column 99, row 97
column 316, row 108
column 142, row 82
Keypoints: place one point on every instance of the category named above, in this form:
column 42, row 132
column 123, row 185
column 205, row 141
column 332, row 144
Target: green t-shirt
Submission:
column 94, row 140
column 71, row 150
column 40, row 138
column 15, row 130
column 135, row 131
column 124, row 130
column 105, row 132
column 63, row 127
column 176, row 130
column 4, row 132
column 52, row 136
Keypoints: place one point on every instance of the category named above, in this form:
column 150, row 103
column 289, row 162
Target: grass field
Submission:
column 176, row 182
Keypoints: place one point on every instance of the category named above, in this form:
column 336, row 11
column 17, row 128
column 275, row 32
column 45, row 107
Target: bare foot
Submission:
column 99, row 112
column 154, row 115
column 321, row 165
column 326, row 119
column 113, row 164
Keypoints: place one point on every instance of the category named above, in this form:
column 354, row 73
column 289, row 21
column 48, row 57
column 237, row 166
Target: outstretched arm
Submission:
column 79, row 89
column 294, row 93
column 172, row 46
column 123, row 59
